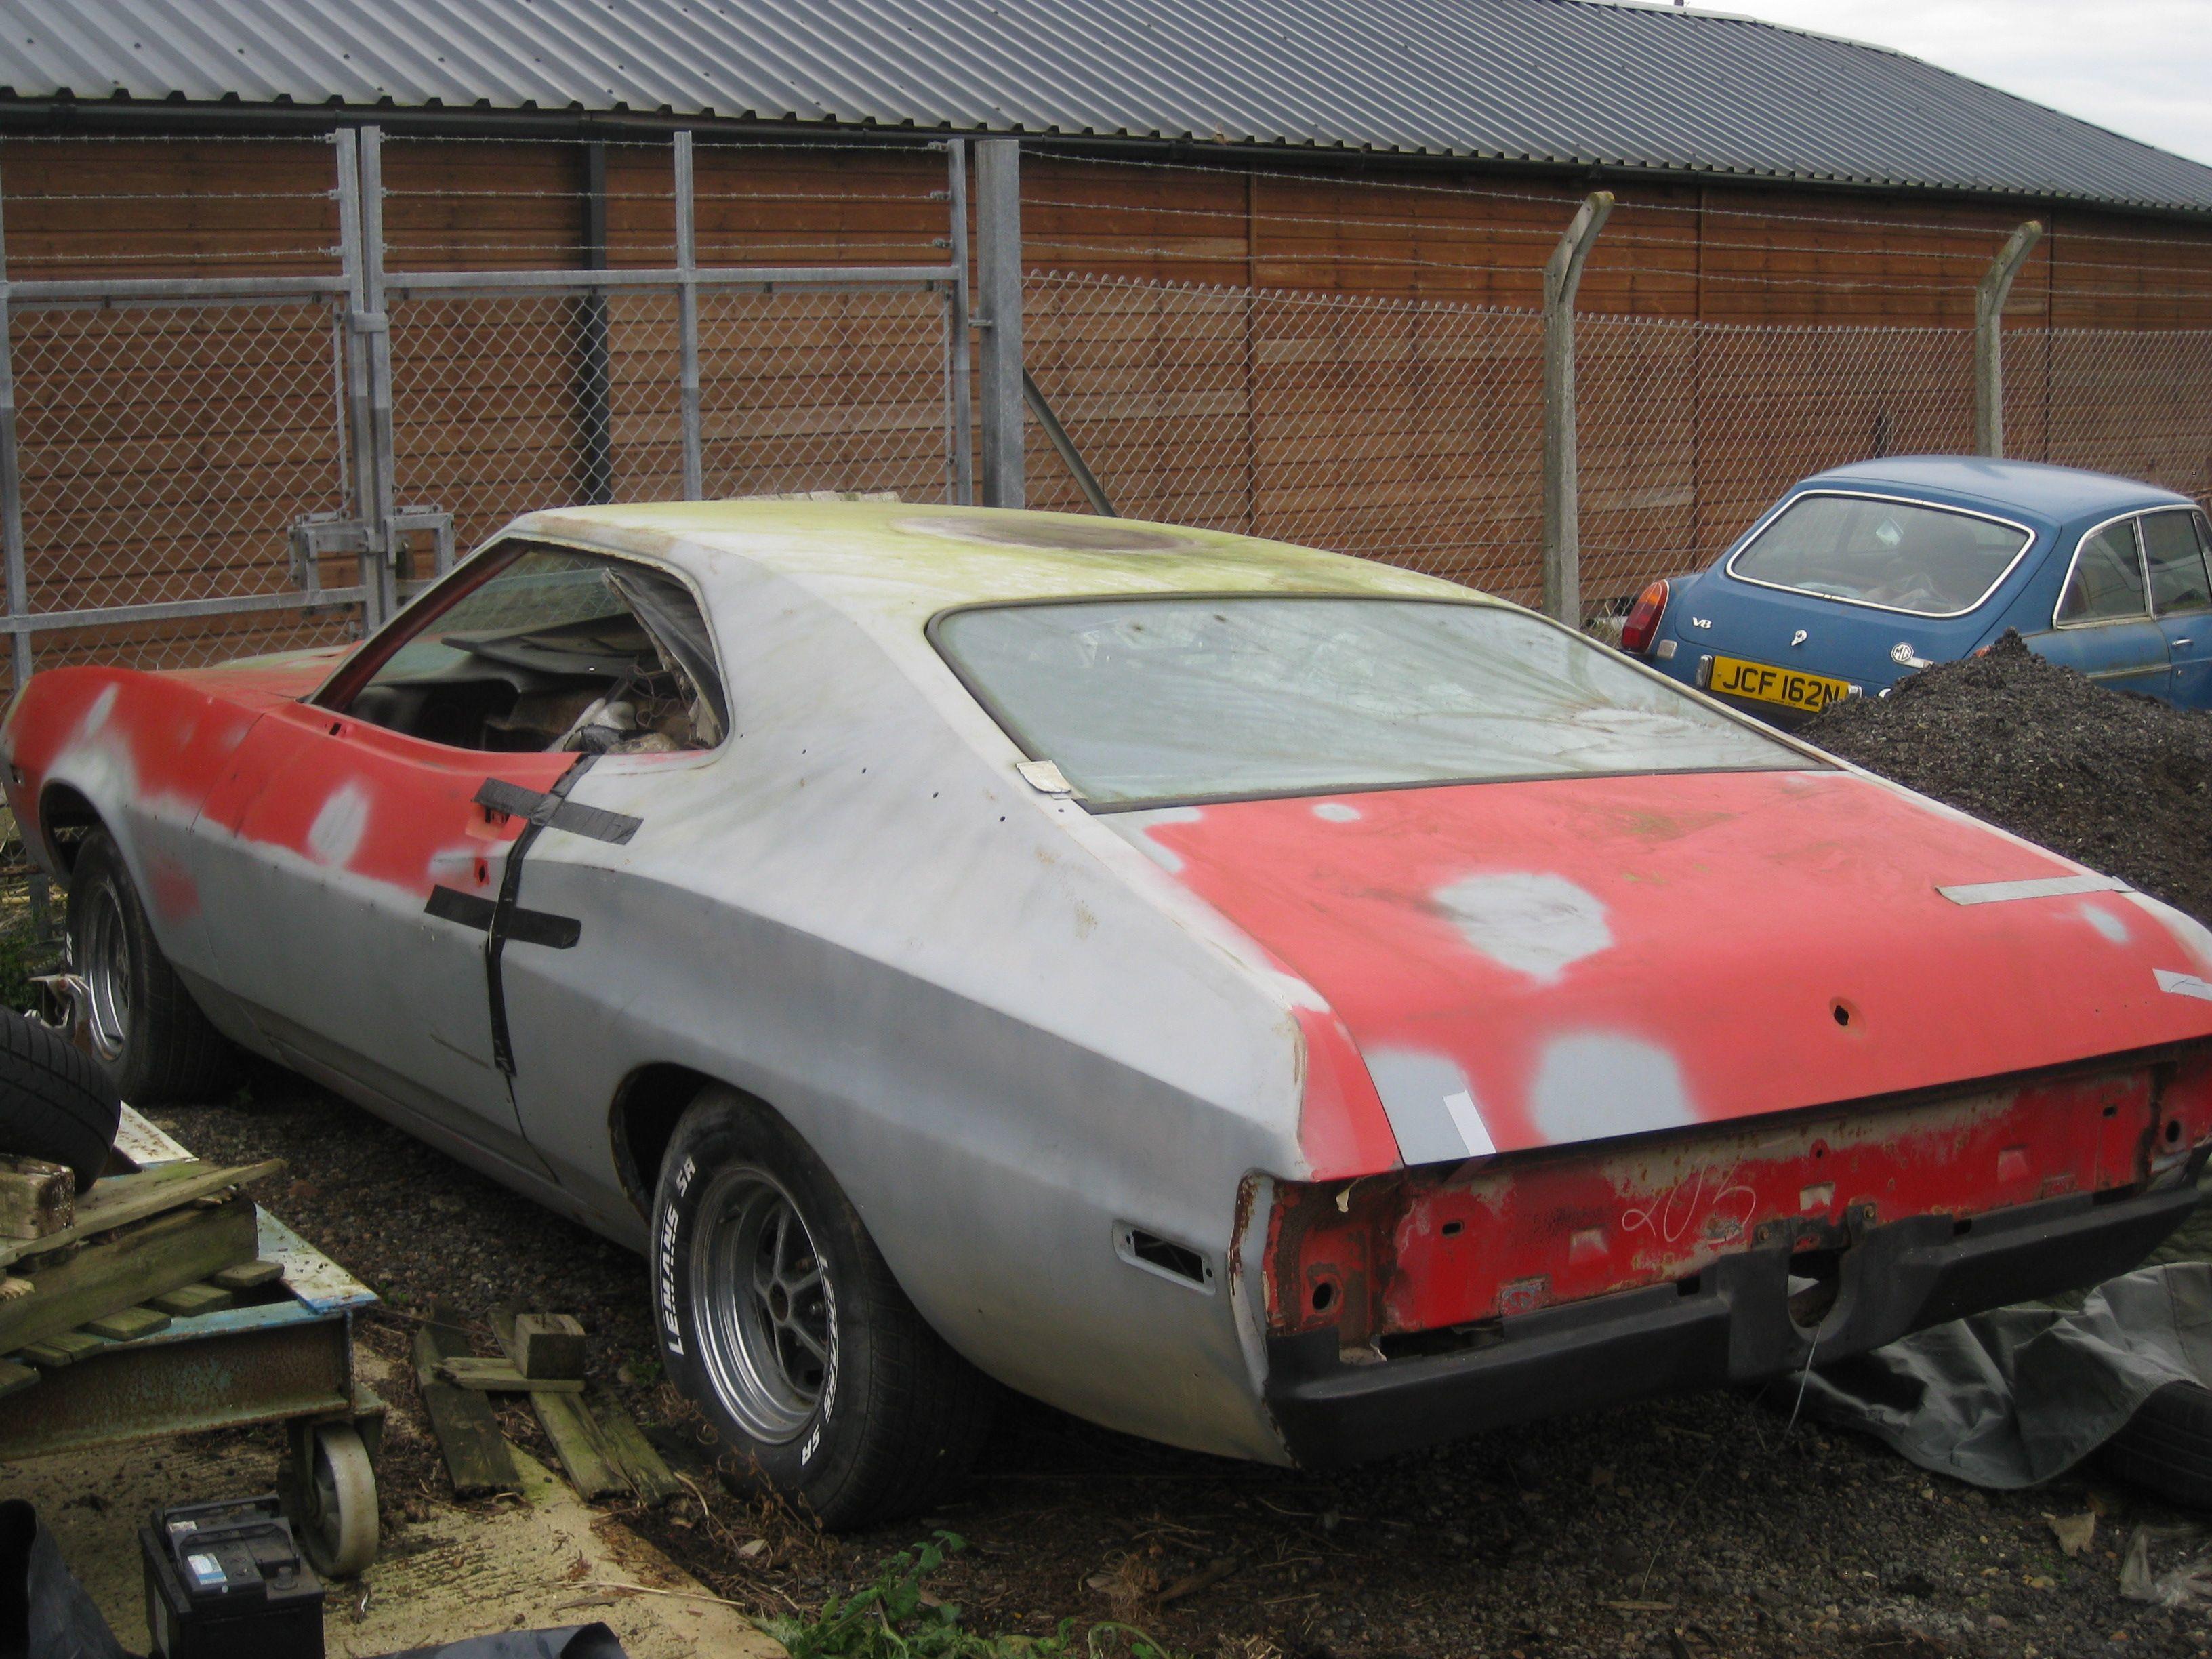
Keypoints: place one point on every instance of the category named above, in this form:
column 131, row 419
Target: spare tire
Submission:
column 2166, row 1446
column 55, row 1101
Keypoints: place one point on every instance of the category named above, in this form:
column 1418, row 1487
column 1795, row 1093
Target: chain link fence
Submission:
column 1410, row 431
column 2137, row 403
column 1400, row 430
column 1689, row 430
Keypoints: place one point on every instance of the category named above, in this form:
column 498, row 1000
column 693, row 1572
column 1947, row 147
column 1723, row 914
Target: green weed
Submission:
column 897, row 1617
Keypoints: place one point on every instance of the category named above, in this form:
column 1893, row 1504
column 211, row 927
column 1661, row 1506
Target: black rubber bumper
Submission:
column 1733, row 1325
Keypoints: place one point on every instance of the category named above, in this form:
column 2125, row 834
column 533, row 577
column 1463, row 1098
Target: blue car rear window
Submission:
column 1901, row 556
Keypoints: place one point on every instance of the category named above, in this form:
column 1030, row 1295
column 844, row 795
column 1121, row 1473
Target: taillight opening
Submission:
column 1643, row 617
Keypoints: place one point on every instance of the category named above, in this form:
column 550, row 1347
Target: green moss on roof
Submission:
column 902, row 556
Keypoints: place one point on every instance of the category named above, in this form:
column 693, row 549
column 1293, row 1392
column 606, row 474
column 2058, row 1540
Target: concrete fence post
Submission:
column 959, row 392
column 687, row 314
column 998, row 316
column 1990, row 297
column 1563, row 275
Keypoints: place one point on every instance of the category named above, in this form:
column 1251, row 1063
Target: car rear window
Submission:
column 1901, row 555
column 1152, row 701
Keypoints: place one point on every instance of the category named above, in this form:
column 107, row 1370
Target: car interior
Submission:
column 556, row 650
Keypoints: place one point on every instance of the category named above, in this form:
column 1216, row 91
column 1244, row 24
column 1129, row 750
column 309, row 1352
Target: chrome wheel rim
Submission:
column 766, row 1311
column 107, row 973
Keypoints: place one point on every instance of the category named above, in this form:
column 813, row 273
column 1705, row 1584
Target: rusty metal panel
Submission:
column 265, row 1373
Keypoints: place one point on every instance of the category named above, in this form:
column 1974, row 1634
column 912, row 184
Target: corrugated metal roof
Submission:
column 1594, row 82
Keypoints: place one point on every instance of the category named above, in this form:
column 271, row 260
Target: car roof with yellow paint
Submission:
column 905, row 559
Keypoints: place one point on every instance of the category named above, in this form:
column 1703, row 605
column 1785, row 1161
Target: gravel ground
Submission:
column 1704, row 1525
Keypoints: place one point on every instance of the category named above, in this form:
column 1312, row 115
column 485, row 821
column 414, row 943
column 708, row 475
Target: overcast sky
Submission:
column 2140, row 67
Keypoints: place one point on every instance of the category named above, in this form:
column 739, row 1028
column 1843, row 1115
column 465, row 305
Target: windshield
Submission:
column 1140, row 702
column 1929, row 561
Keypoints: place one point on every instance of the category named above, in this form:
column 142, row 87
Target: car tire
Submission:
column 780, row 1317
column 145, row 1026
column 55, row 1104
column 2165, row 1447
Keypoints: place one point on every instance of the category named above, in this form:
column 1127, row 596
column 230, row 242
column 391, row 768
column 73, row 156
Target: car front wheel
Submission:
column 780, row 1317
column 143, row 1023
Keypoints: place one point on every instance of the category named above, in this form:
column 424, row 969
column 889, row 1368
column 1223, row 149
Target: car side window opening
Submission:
column 1901, row 555
column 2179, row 580
column 2106, row 583
column 1149, row 701
column 556, row 650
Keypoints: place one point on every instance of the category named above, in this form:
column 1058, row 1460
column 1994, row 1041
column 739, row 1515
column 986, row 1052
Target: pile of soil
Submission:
column 2119, row 782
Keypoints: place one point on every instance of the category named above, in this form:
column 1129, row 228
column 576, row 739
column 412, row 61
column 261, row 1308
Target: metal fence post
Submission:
column 998, row 273
column 687, row 304
column 11, row 483
column 960, row 413
column 372, row 326
column 1563, row 275
column 1990, row 297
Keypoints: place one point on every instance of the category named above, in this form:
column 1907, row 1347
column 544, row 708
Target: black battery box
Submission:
column 226, row 1580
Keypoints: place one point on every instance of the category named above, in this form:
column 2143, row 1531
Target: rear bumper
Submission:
column 1731, row 1324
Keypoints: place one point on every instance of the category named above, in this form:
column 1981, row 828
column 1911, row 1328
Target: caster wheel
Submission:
column 337, row 1501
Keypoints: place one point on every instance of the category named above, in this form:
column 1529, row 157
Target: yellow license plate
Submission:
column 1735, row 678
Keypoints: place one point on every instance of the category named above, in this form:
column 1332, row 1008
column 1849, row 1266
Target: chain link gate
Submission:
column 198, row 468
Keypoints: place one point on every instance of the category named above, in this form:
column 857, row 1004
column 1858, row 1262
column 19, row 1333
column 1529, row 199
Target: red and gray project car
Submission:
column 1261, row 999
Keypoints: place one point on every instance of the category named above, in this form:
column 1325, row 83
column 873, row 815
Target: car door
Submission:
column 342, row 837
column 2103, row 624
column 2176, row 544
column 377, row 830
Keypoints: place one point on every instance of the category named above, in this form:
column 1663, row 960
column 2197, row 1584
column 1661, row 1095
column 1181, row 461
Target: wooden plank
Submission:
column 248, row 1276
column 477, row 1458
column 584, row 1455
column 119, row 1201
column 15, row 1378
column 128, row 1324
column 549, row 1346
column 575, row 1434
column 497, row 1377
column 633, row 1453
column 63, row 1348
column 36, row 1199
column 190, row 1301
column 138, row 1265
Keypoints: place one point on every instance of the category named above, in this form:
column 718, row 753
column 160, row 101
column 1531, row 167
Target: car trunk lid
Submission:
column 1540, row 964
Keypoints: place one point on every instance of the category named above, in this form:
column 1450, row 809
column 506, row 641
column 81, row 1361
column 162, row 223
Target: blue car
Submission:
column 1861, row 574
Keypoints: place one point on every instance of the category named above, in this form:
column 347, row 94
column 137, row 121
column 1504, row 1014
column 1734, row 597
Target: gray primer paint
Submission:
column 1596, row 1085
column 1537, row 925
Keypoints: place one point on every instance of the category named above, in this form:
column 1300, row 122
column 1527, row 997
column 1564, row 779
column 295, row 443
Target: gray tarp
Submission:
column 2010, row 1398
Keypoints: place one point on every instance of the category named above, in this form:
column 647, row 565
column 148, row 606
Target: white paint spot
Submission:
column 1537, row 925
column 102, row 706
column 1430, row 1107
column 2183, row 985
column 2105, row 922
column 1139, row 828
column 336, row 834
column 1335, row 812
column 1596, row 1085
column 2190, row 934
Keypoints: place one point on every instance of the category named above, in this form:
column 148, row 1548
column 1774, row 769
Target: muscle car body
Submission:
column 1290, row 1124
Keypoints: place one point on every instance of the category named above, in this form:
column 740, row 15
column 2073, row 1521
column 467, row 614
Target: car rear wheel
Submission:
column 780, row 1317
column 143, row 1025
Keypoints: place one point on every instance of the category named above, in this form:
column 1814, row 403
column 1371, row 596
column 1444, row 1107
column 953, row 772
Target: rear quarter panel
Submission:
column 958, row 991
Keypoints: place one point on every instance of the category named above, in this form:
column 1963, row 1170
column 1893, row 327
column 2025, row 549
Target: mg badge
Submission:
column 1798, row 638
column 1901, row 652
